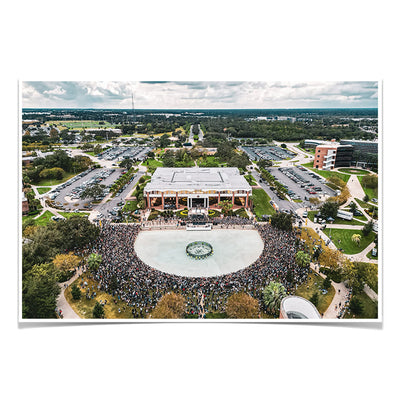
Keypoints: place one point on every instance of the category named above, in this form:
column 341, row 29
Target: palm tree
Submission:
column 273, row 294
column 303, row 259
column 356, row 238
column 94, row 261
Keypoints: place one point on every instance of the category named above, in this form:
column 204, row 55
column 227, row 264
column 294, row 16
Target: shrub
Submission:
column 76, row 292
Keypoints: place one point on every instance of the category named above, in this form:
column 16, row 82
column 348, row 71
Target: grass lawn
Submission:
column 326, row 174
column 372, row 193
column 371, row 257
column 84, row 307
column 354, row 171
column 209, row 161
column 151, row 162
column 130, row 205
column 312, row 285
column 348, row 246
column 370, row 308
column 42, row 190
column 52, row 182
column 261, row 203
column 73, row 214
column 363, row 204
column 44, row 218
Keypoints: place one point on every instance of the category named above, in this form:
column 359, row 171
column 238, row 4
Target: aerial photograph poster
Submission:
column 206, row 201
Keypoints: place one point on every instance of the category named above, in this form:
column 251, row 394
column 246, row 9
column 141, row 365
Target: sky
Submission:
column 198, row 94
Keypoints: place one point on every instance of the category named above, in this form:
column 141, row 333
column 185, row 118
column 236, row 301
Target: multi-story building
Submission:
column 332, row 155
column 196, row 187
column 365, row 146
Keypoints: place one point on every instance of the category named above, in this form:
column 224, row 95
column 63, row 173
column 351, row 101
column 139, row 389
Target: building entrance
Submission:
column 194, row 202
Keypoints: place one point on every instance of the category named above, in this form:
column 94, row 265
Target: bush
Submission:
column 356, row 306
column 98, row 311
column 315, row 299
column 76, row 292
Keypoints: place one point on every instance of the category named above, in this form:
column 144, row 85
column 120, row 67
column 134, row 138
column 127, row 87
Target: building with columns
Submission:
column 174, row 188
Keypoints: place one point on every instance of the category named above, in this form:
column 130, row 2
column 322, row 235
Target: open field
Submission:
column 344, row 236
column 87, row 124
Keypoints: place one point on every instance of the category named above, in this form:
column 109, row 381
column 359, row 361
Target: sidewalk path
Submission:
column 62, row 303
column 342, row 295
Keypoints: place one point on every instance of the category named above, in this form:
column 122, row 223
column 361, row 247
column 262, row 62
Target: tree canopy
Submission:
column 170, row 306
column 241, row 305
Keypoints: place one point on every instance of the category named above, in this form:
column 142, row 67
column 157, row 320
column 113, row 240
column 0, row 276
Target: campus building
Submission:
column 365, row 146
column 196, row 188
column 332, row 155
column 295, row 307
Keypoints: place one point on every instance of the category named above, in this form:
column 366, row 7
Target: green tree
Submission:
column 98, row 311
column 76, row 292
column 97, row 149
column 94, row 261
column 226, row 206
column 93, row 191
column 282, row 221
column 353, row 207
column 40, row 291
column 52, row 173
column 368, row 228
column 273, row 293
column 164, row 140
column 356, row 305
column 329, row 209
column 77, row 232
column 126, row 163
column 315, row 299
column 370, row 181
column 303, row 259
column 327, row 283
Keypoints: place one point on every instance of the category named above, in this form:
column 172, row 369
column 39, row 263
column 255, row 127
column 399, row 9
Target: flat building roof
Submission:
column 197, row 179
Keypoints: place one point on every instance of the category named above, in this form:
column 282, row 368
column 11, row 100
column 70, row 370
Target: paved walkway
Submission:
column 62, row 303
column 339, row 301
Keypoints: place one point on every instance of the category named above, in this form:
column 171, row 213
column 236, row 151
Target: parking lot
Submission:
column 272, row 153
column 294, row 178
column 109, row 209
column 67, row 195
column 302, row 183
column 134, row 152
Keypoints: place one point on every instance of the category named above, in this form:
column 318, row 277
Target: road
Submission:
column 109, row 202
column 282, row 204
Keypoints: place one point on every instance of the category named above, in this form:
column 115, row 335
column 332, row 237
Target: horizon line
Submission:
column 204, row 109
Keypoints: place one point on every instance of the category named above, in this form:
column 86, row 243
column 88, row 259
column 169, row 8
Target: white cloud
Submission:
column 196, row 94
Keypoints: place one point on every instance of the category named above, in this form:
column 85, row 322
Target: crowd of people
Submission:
column 123, row 274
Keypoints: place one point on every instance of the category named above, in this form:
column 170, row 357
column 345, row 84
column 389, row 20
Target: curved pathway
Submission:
column 62, row 303
column 342, row 295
